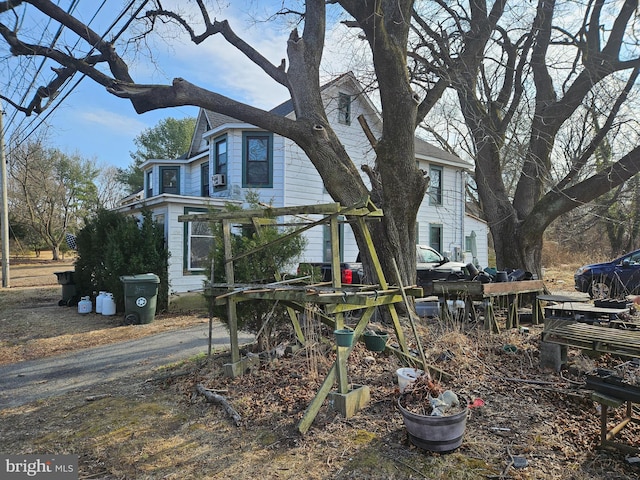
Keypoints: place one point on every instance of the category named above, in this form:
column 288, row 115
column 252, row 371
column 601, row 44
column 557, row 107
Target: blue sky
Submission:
column 99, row 126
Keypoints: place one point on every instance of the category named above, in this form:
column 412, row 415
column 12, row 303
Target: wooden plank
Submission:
column 231, row 304
column 457, row 288
column 596, row 338
column 320, row 209
column 363, row 208
column 579, row 307
column 505, row 288
column 562, row 298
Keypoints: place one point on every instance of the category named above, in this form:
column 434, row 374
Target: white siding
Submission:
column 296, row 182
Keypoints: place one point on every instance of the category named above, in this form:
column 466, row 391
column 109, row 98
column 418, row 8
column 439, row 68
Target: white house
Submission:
column 228, row 157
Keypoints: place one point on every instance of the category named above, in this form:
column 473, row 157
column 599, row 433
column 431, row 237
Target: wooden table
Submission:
column 580, row 311
column 488, row 294
column 607, row 435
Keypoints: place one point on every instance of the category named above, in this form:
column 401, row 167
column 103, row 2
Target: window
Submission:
column 467, row 243
column 220, row 159
column 344, row 109
column 198, row 244
column 435, row 186
column 204, row 179
column 149, row 183
column 257, row 160
column 435, row 237
column 170, row 180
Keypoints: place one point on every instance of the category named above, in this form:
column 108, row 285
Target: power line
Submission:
column 41, row 119
column 70, row 10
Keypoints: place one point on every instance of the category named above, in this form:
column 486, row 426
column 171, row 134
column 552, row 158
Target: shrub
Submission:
column 111, row 245
column 274, row 253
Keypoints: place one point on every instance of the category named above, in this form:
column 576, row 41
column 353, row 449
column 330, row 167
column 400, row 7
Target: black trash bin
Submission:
column 69, row 290
column 140, row 297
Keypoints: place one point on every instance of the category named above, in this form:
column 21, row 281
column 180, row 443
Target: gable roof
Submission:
column 423, row 149
column 430, row 151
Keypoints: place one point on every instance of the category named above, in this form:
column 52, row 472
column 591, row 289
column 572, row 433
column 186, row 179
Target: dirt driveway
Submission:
column 47, row 350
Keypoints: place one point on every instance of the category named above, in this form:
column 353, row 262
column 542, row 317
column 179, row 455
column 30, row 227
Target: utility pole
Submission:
column 4, row 208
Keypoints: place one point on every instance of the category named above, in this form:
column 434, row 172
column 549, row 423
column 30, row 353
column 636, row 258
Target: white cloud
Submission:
column 125, row 125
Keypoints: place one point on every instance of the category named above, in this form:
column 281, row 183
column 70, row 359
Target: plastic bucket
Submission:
column 407, row 376
column 344, row 337
column 375, row 341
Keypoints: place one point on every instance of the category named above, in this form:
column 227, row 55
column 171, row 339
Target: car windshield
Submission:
column 426, row 255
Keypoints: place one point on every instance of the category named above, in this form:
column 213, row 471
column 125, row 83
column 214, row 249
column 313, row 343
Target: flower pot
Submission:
column 437, row 434
column 344, row 337
column 375, row 341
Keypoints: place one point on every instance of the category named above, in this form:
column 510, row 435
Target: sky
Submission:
column 97, row 125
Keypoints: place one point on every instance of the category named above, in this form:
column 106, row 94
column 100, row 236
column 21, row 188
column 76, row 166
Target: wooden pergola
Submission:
column 336, row 299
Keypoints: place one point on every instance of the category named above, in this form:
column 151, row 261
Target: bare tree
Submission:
column 49, row 191
column 525, row 74
column 461, row 46
column 110, row 190
column 385, row 26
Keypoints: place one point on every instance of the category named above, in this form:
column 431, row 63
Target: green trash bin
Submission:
column 140, row 297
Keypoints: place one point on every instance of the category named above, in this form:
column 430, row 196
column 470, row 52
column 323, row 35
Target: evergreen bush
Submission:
column 111, row 245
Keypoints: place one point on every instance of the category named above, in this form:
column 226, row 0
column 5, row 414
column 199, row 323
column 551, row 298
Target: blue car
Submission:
column 614, row 279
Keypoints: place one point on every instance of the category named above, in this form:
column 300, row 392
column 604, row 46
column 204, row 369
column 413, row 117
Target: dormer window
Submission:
column 344, row 109
column 170, row 180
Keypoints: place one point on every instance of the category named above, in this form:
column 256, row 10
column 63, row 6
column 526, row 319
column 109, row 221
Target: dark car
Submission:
column 614, row 279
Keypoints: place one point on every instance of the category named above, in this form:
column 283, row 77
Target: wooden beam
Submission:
column 314, row 407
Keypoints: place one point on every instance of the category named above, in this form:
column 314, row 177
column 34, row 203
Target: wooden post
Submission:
column 231, row 304
column 342, row 353
column 377, row 267
column 314, row 407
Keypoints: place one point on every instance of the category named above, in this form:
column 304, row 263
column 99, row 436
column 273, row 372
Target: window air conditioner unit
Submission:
column 218, row 180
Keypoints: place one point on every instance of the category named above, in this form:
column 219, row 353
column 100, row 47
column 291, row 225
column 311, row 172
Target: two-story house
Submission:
column 228, row 157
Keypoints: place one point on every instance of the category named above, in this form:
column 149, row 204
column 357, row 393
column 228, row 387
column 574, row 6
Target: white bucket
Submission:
column 407, row 376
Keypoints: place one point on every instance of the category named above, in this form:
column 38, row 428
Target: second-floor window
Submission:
column 204, row 179
column 344, row 109
column 170, row 180
column 435, row 186
column 257, row 155
column 220, row 160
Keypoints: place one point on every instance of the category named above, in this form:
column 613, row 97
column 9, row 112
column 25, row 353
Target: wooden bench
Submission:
column 593, row 337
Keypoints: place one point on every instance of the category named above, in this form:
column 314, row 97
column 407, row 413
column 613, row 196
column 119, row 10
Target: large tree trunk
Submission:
column 403, row 185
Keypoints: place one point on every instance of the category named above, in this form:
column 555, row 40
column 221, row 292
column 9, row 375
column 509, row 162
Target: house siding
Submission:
column 295, row 181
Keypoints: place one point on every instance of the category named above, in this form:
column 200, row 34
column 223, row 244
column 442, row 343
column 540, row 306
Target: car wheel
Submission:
column 600, row 289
